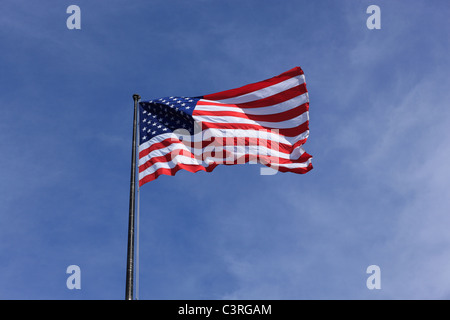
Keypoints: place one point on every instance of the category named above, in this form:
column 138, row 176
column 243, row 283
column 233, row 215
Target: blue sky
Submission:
column 379, row 119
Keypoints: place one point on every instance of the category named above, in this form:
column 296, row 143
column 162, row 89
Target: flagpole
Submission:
column 130, row 248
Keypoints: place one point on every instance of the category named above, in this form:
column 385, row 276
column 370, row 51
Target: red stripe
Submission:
column 297, row 170
column 222, row 142
column 289, row 132
column 156, row 146
column 240, row 141
column 226, row 156
column 248, row 142
column 166, row 158
column 255, row 86
column 276, row 117
column 276, row 98
column 174, row 170
column 210, row 168
column 264, row 102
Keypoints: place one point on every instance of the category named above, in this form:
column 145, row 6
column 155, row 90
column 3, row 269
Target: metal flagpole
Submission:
column 137, row 243
column 130, row 248
column 137, row 229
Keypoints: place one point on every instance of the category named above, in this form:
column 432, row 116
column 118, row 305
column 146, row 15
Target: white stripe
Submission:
column 159, row 138
column 166, row 150
column 181, row 159
column 207, row 134
column 266, row 92
column 292, row 165
column 291, row 123
column 242, row 133
column 274, row 109
column 239, row 151
column 203, row 154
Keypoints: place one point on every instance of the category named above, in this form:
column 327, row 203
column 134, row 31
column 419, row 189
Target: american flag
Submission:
column 265, row 122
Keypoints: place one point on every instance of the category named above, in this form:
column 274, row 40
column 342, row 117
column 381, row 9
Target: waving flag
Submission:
column 265, row 122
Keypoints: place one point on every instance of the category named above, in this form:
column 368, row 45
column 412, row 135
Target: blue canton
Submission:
column 165, row 115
